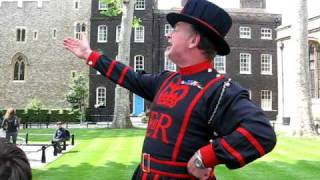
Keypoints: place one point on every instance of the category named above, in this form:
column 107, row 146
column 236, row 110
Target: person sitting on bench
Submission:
column 60, row 135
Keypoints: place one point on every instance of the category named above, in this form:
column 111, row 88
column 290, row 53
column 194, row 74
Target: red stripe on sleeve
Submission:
column 144, row 176
column 123, row 75
column 252, row 140
column 110, row 69
column 208, row 156
column 156, row 177
column 93, row 58
column 233, row 152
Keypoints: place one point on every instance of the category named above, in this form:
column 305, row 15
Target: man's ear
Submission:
column 194, row 41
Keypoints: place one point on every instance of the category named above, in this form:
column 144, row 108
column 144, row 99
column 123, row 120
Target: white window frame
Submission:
column 76, row 2
column 118, row 30
column 220, row 66
column 140, row 5
column 20, row 35
column 139, row 34
column 102, row 32
column 266, row 64
column 35, row 35
column 266, row 33
column 103, row 6
column 102, row 96
column 54, row 33
column 245, row 67
column 169, row 65
column 245, row 32
column 266, row 100
column 250, row 94
column 138, row 59
column 167, row 29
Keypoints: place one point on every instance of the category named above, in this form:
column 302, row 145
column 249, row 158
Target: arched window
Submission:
column 79, row 28
column 138, row 63
column 314, row 64
column 101, row 96
column 19, row 68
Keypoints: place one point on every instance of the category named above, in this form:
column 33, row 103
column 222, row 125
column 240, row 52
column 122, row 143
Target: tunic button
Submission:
column 90, row 63
column 215, row 133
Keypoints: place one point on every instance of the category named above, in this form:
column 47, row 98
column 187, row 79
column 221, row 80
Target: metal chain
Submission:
column 226, row 84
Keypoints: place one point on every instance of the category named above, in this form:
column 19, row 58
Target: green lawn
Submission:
column 113, row 154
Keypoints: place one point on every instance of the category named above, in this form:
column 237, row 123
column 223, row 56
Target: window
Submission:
column 139, row 63
column 266, row 64
column 103, row 5
column 169, row 65
column 245, row 63
column 79, row 28
column 167, row 29
column 54, row 34
column 118, row 29
column 102, row 33
column 220, row 64
column 21, row 34
column 139, row 34
column 76, row 4
column 73, row 74
column 140, row 5
column 35, row 35
column 101, row 96
column 266, row 33
column 245, row 32
column 19, row 69
column 314, row 66
column 266, row 100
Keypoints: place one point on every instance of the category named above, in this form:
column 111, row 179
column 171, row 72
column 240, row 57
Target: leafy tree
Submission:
column 34, row 104
column 77, row 94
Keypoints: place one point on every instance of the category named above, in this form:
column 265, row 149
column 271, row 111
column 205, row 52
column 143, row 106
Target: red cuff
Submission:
column 93, row 58
column 208, row 156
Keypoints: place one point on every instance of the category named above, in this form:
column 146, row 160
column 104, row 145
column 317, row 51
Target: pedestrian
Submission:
column 198, row 118
column 11, row 124
column 59, row 136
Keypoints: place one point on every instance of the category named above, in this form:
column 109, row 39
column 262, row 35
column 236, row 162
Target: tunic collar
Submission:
column 196, row 68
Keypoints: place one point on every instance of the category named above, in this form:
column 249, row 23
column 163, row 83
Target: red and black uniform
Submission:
column 182, row 104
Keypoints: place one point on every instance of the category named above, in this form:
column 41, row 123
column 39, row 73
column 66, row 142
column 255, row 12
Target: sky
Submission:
column 273, row 6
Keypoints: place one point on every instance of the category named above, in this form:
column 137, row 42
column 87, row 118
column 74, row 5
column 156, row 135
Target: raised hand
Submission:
column 80, row 48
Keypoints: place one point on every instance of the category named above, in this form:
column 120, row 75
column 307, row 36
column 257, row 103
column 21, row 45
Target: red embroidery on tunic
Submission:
column 172, row 94
column 159, row 123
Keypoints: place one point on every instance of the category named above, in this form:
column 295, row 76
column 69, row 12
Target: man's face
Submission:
column 178, row 41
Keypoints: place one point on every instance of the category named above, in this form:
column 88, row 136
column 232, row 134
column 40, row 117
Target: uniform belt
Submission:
column 164, row 168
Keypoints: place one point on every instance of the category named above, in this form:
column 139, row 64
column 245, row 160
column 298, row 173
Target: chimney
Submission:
column 258, row 4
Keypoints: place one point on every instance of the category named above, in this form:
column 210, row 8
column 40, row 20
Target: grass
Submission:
column 113, row 154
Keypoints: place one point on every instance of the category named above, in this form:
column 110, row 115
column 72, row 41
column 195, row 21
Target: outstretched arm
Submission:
column 79, row 48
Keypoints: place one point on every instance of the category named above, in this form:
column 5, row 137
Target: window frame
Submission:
column 249, row 64
column 99, row 34
column 266, row 104
column 135, row 62
column 168, row 64
column 21, row 28
column 102, row 6
column 137, row 32
column 266, row 35
column 245, row 32
column 223, row 58
column 141, row 3
column 265, row 65
column 104, row 95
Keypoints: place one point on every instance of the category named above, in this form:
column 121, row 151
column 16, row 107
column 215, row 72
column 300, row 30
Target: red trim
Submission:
column 110, row 69
column 123, row 75
column 171, row 174
column 187, row 116
column 208, row 156
column 196, row 68
column 208, row 25
column 233, row 152
column 93, row 58
column 171, row 163
column 144, row 176
column 156, row 177
column 252, row 140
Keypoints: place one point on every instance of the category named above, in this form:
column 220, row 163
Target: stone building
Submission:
column 33, row 62
column 252, row 62
column 285, row 56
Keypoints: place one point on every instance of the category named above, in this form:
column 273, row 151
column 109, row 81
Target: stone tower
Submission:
column 259, row 4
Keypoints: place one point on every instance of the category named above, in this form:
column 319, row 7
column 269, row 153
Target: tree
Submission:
column 302, row 123
column 121, row 117
column 34, row 104
column 77, row 94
